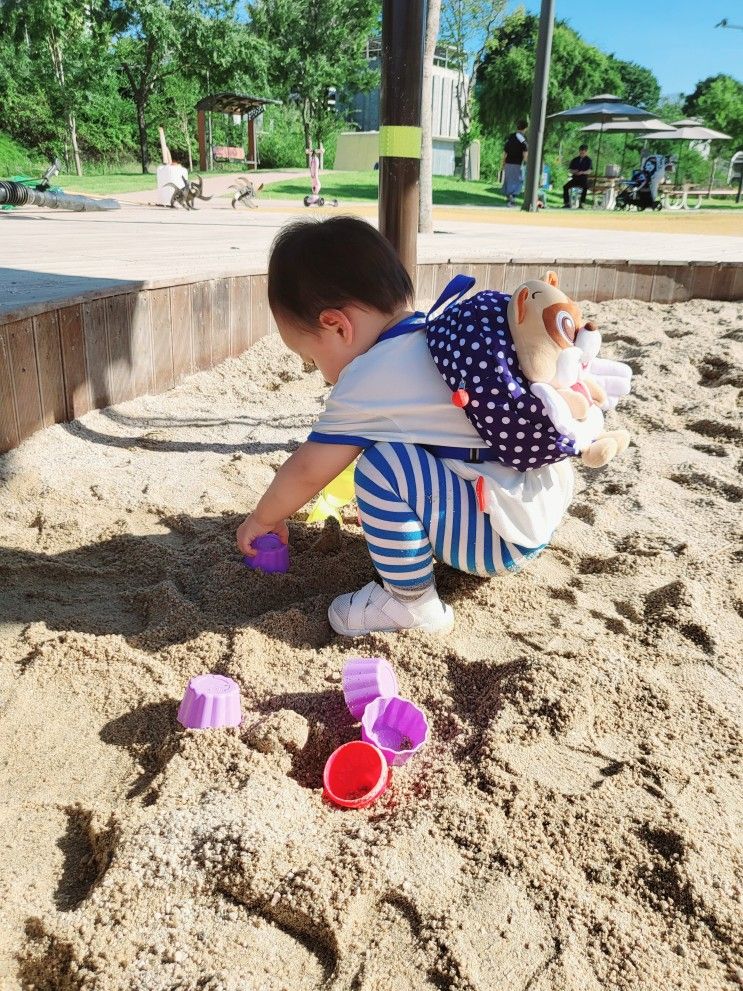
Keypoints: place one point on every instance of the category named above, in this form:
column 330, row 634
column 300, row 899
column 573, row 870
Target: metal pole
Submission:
column 596, row 169
column 539, row 104
column 403, row 36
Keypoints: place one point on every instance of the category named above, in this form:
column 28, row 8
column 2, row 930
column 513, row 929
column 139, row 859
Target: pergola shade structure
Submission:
column 248, row 107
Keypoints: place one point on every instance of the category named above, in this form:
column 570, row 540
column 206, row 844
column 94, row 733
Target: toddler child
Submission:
column 343, row 300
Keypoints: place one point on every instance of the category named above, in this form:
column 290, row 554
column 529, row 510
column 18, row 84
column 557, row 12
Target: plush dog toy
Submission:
column 554, row 349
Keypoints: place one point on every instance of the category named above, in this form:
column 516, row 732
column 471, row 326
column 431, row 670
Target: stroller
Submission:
column 641, row 190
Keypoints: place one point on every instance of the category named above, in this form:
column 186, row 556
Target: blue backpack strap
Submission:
column 458, row 286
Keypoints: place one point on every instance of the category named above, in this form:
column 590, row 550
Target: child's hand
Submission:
column 251, row 528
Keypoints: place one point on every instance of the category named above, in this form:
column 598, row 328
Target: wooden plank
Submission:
column 141, row 347
column 258, row 307
column 606, row 281
column 96, row 352
column 9, row 436
column 77, row 392
column 667, row 287
column 703, row 279
column 514, row 275
column 220, row 320
column 25, row 377
column 239, row 314
column 624, row 286
column 585, row 282
column 643, row 285
column 424, row 296
column 49, row 364
column 182, row 331
column 118, row 333
column 738, row 283
column 162, row 340
column 724, row 284
column 496, row 276
column 201, row 301
column 567, row 277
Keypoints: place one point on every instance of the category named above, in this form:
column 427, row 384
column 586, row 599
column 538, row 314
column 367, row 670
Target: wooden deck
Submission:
column 59, row 359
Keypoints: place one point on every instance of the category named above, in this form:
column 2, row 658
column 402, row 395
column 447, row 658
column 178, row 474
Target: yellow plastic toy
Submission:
column 334, row 497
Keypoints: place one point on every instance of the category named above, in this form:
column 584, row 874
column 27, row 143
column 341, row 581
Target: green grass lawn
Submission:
column 361, row 186
column 106, row 185
column 345, row 186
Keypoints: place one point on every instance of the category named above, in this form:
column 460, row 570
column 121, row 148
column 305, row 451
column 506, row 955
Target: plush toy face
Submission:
column 544, row 323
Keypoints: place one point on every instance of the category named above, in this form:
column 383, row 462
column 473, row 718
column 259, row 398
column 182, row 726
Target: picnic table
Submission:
column 677, row 197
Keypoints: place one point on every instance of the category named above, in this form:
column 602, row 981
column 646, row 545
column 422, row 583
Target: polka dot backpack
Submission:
column 471, row 344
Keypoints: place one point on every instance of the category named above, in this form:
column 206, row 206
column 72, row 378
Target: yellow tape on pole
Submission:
column 399, row 142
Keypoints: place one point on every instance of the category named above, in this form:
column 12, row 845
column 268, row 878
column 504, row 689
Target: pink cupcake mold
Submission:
column 366, row 679
column 210, row 702
column 396, row 726
column 272, row 556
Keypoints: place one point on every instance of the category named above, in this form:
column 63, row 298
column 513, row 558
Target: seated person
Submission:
column 580, row 169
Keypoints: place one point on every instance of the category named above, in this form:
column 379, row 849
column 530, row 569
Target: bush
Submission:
column 281, row 140
column 491, row 156
column 16, row 160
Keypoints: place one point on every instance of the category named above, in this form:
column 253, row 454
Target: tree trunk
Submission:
column 184, row 127
column 55, row 50
column 72, row 123
column 425, row 208
column 142, row 126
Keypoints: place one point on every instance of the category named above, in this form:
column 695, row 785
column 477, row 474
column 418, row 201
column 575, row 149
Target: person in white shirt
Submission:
column 342, row 300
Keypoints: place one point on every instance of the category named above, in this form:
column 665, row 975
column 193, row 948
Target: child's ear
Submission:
column 338, row 321
column 551, row 279
column 521, row 297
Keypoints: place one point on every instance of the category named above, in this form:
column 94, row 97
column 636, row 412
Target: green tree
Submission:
column 315, row 45
column 158, row 39
column 467, row 26
column 639, row 85
column 718, row 100
column 578, row 70
column 64, row 36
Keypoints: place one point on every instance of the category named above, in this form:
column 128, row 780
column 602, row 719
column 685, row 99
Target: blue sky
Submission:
column 677, row 39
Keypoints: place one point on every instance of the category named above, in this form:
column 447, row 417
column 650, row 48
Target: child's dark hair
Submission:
column 319, row 265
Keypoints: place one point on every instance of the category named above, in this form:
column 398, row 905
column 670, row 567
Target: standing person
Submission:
column 514, row 156
column 580, row 169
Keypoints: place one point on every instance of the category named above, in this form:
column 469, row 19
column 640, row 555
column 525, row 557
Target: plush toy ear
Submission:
column 521, row 297
column 551, row 279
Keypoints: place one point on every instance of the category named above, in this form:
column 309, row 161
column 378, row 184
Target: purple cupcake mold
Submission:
column 210, row 702
column 272, row 556
column 366, row 679
column 396, row 726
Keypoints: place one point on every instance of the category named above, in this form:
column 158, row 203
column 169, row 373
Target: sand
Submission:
column 574, row 823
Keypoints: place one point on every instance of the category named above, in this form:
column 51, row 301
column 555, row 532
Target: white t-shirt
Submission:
column 394, row 392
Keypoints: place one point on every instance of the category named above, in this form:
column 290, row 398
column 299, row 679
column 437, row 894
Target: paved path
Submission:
column 47, row 255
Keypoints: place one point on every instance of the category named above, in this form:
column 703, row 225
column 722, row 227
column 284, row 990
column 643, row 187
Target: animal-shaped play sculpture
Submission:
column 187, row 194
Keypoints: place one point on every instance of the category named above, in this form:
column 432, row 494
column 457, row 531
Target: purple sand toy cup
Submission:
column 355, row 775
column 211, row 701
column 272, row 556
column 396, row 726
column 366, row 679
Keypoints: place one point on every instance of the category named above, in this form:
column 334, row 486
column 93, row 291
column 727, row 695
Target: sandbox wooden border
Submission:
column 62, row 358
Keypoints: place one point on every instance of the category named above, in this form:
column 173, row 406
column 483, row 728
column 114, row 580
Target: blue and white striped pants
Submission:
column 413, row 509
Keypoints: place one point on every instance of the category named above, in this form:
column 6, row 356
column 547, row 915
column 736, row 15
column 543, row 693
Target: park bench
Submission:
column 225, row 153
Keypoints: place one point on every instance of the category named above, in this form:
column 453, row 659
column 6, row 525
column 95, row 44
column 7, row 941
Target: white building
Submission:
column 359, row 150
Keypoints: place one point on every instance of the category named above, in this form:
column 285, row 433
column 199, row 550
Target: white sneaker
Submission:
column 374, row 610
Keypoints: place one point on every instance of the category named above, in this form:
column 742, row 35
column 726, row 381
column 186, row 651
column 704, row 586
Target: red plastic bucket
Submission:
column 355, row 775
